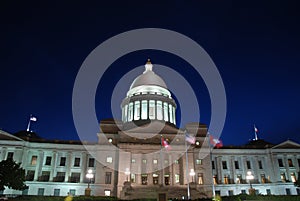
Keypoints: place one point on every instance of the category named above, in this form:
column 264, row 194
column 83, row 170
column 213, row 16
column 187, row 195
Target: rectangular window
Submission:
column 293, row 177
column 109, row 159
column 72, row 192
column 239, row 179
column 248, row 164
column 236, row 165
column 144, row 179
column 166, row 115
column 213, row 164
column 60, row 177
column 75, row 177
column 290, row 162
column 108, row 177
column 132, row 178
column 151, row 109
column 298, row 162
column 107, row 192
column 136, row 110
column 224, row 165
column 268, row 191
column 144, row 109
column 133, row 160
column 76, row 162
column 91, row 162
column 159, row 110
column 280, row 162
column 144, row 161
column 48, row 160
column 177, row 178
column 260, row 165
column 230, row 192
column 176, row 161
column 155, row 161
column 56, row 192
column 41, row 191
column 155, row 178
column 62, row 161
column 166, row 161
column 45, row 176
column 198, row 161
column 33, row 160
column 243, row 191
column 288, row 191
column 171, row 113
column 263, row 178
column 10, row 155
column 282, row 177
column 215, row 179
column 167, row 179
column 200, row 178
column 30, row 175
column 226, row 180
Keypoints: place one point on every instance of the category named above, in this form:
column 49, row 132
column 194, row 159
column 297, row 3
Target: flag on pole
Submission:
column 33, row 119
column 215, row 142
column 165, row 144
column 190, row 139
column 255, row 129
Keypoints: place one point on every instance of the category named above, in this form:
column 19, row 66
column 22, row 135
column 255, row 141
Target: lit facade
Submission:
column 129, row 162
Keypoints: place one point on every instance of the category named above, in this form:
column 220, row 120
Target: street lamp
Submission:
column 192, row 174
column 89, row 175
column 127, row 173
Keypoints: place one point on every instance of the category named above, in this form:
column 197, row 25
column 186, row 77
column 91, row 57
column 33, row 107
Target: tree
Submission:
column 12, row 175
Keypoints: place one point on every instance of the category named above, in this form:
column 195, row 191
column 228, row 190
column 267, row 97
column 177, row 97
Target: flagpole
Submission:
column 255, row 134
column 28, row 126
column 187, row 169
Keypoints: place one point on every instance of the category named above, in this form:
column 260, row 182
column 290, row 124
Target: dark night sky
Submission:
column 254, row 45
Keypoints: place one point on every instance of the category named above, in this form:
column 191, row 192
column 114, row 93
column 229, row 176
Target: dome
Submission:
column 148, row 78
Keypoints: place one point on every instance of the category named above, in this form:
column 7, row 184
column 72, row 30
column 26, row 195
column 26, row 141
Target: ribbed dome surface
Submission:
column 148, row 78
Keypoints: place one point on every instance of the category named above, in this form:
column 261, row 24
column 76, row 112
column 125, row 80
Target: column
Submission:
column 83, row 165
column 68, row 166
column 53, row 165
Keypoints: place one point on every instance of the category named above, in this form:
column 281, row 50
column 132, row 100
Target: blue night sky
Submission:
column 255, row 47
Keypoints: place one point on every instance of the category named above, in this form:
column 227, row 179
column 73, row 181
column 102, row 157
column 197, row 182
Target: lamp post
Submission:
column 192, row 174
column 250, row 177
column 127, row 173
column 89, row 175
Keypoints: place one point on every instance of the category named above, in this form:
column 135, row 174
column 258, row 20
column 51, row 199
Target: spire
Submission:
column 148, row 66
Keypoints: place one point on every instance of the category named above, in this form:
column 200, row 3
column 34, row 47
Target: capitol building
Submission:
column 145, row 155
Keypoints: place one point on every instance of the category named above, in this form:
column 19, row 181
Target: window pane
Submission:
column 151, row 109
column 109, row 159
column 33, row 160
column 107, row 177
column 77, row 162
column 48, row 160
column 136, row 110
column 144, row 109
column 159, row 110
column 91, row 162
column 62, row 161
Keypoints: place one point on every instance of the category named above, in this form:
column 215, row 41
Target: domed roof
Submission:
column 148, row 78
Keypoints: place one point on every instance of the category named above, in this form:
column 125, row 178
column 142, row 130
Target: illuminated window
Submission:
column 144, row 161
column 125, row 112
column 166, row 112
column 144, row 109
column 176, row 161
column 174, row 117
column 215, row 180
column 151, row 109
column 167, row 179
column 238, row 179
column 226, row 180
column 263, row 178
column 198, row 161
column 155, row 161
column 155, row 178
column 136, row 110
column 130, row 112
column 144, row 179
column 107, row 192
column 171, row 113
column 132, row 178
column 293, row 177
column 109, row 159
column 33, row 160
column 133, row 160
column 290, row 162
column 159, row 110
column 177, row 178
column 166, row 161
column 282, row 177
column 200, row 178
